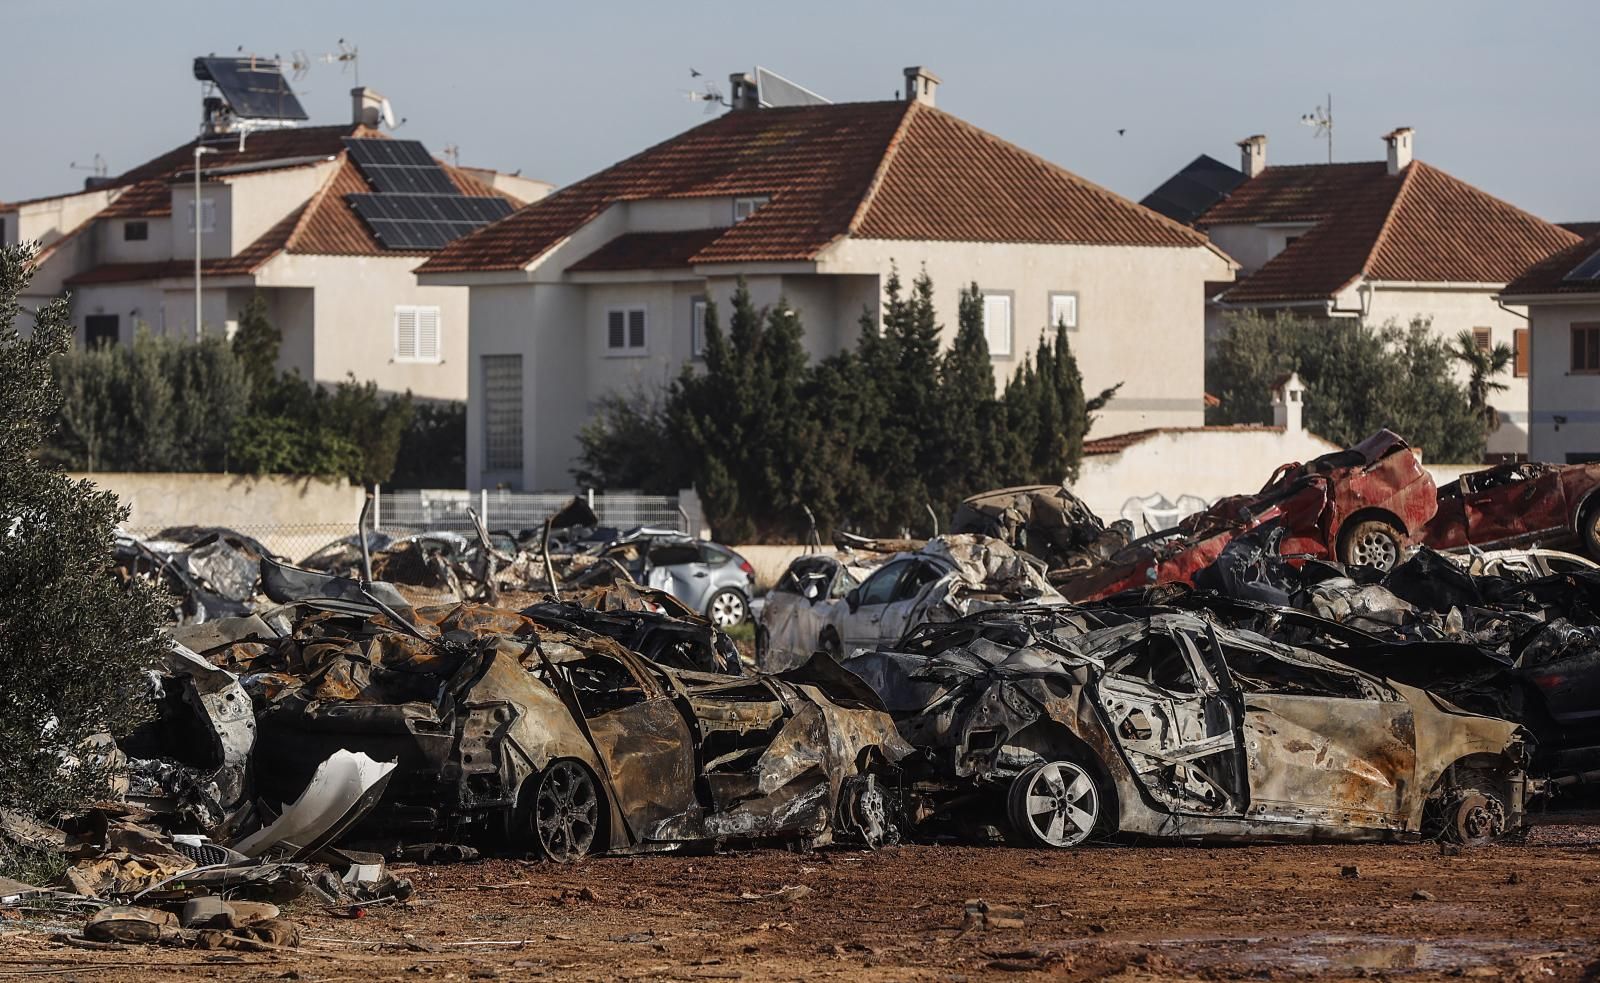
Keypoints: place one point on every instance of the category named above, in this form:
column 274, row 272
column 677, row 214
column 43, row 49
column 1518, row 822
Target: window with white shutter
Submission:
column 416, row 334
column 1064, row 310
column 625, row 331
column 997, row 323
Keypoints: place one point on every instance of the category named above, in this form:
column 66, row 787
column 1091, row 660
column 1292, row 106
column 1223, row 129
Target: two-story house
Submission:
column 1380, row 241
column 603, row 285
column 325, row 222
column 1562, row 297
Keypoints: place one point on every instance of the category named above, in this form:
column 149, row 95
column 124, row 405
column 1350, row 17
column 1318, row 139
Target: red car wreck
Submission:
column 1520, row 504
column 1360, row 506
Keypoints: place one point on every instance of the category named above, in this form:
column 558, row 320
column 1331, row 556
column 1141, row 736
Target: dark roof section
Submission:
column 1548, row 275
column 1585, row 229
column 648, row 251
column 889, row 170
column 1186, row 195
column 1419, row 225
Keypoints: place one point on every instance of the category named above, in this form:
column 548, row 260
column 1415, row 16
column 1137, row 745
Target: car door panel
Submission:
column 1329, row 760
column 649, row 752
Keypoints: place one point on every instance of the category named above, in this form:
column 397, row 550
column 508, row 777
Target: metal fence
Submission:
column 403, row 512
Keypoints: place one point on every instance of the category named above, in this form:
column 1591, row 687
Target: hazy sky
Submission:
column 1502, row 95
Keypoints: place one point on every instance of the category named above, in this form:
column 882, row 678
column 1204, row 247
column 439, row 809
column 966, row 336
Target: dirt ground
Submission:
column 1519, row 911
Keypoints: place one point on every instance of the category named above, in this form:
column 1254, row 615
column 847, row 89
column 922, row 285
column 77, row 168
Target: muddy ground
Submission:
column 1519, row 911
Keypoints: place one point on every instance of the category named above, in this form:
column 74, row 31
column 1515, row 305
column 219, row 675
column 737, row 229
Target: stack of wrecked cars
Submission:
column 858, row 599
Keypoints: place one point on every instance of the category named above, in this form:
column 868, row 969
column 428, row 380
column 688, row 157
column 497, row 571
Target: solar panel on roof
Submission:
column 400, row 167
column 425, row 221
column 1589, row 269
column 253, row 88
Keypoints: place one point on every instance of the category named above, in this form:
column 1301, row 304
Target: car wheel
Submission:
column 1590, row 526
column 566, row 812
column 1373, row 543
column 727, row 609
column 1055, row 804
column 1468, row 816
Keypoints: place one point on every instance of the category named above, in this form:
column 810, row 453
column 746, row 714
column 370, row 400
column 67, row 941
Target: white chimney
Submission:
column 742, row 92
column 1253, row 155
column 366, row 106
column 1289, row 403
column 921, row 85
column 1399, row 142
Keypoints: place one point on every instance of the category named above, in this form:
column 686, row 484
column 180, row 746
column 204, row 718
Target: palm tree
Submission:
column 1483, row 364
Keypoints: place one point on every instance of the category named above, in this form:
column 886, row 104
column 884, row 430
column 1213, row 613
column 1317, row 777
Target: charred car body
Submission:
column 1361, row 506
column 209, row 571
column 1520, row 504
column 1076, row 722
column 819, row 606
column 1048, row 521
column 562, row 738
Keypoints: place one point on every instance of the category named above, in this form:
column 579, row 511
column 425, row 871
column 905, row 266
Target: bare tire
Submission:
column 566, row 812
column 1373, row 543
column 727, row 609
column 1057, row 804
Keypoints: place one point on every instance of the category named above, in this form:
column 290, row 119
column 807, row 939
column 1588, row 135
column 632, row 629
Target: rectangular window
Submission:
column 997, row 324
column 1483, row 339
column 416, row 334
column 502, row 412
column 697, row 327
column 1064, row 310
column 743, row 208
column 208, row 215
column 625, row 330
column 1586, row 348
column 99, row 329
column 1519, row 347
column 135, row 231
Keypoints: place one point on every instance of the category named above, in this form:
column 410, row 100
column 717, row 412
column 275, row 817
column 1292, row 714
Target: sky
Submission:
column 1500, row 95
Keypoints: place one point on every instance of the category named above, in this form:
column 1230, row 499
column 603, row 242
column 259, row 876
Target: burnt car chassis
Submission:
column 1059, row 724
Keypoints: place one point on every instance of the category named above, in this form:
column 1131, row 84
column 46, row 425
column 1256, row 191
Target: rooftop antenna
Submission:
column 712, row 96
column 299, row 64
column 97, row 167
column 348, row 56
column 1322, row 120
column 453, row 152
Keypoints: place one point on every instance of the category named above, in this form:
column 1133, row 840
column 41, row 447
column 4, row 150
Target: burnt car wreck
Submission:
column 1060, row 724
column 543, row 731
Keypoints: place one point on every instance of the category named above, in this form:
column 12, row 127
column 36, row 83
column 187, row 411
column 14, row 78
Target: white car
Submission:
column 841, row 604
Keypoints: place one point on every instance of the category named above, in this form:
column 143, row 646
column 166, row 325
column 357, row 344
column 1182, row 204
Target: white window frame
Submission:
column 1070, row 299
column 411, row 334
column 628, row 348
column 208, row 215
column 747, row 205
column 994, row 297
column 697, row 326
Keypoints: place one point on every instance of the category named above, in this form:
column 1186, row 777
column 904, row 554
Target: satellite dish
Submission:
column 388, row 114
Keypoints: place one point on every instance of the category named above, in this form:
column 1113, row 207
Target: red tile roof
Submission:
column 1546, row 276
column 648, row 251
column 143, row 199
column 1419, row 225
column 889, row 170
column 1118, row 443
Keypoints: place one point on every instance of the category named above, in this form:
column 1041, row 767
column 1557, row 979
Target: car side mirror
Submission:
column 853, row 599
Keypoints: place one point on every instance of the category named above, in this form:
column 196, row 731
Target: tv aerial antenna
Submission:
column 452, row 152
column 299, row 64
column 710, row 95
column 1322, row 121
column 348, row 56
column 97, row 166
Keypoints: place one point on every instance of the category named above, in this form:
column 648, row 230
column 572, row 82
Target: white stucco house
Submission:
column 1384, row 240
column 277, row 216
column 1562, row 297
column 601, row 286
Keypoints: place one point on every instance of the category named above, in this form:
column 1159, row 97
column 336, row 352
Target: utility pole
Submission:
column 195, row 216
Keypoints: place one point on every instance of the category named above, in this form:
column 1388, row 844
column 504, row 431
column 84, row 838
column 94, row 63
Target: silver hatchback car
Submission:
column 708, row 577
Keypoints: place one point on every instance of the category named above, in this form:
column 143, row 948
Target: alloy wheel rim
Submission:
column 1062, row 804
column 568, row 812
column 1374, row 549
column 726, row 610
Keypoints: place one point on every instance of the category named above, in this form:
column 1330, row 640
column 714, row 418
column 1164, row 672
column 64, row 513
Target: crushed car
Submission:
column 946, row 578
column 208, row 571
column 1048, row 521
column 545, row 729
column 1362, row 506
column 708, row 577
column 1517, row 505
column 1060, row 724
